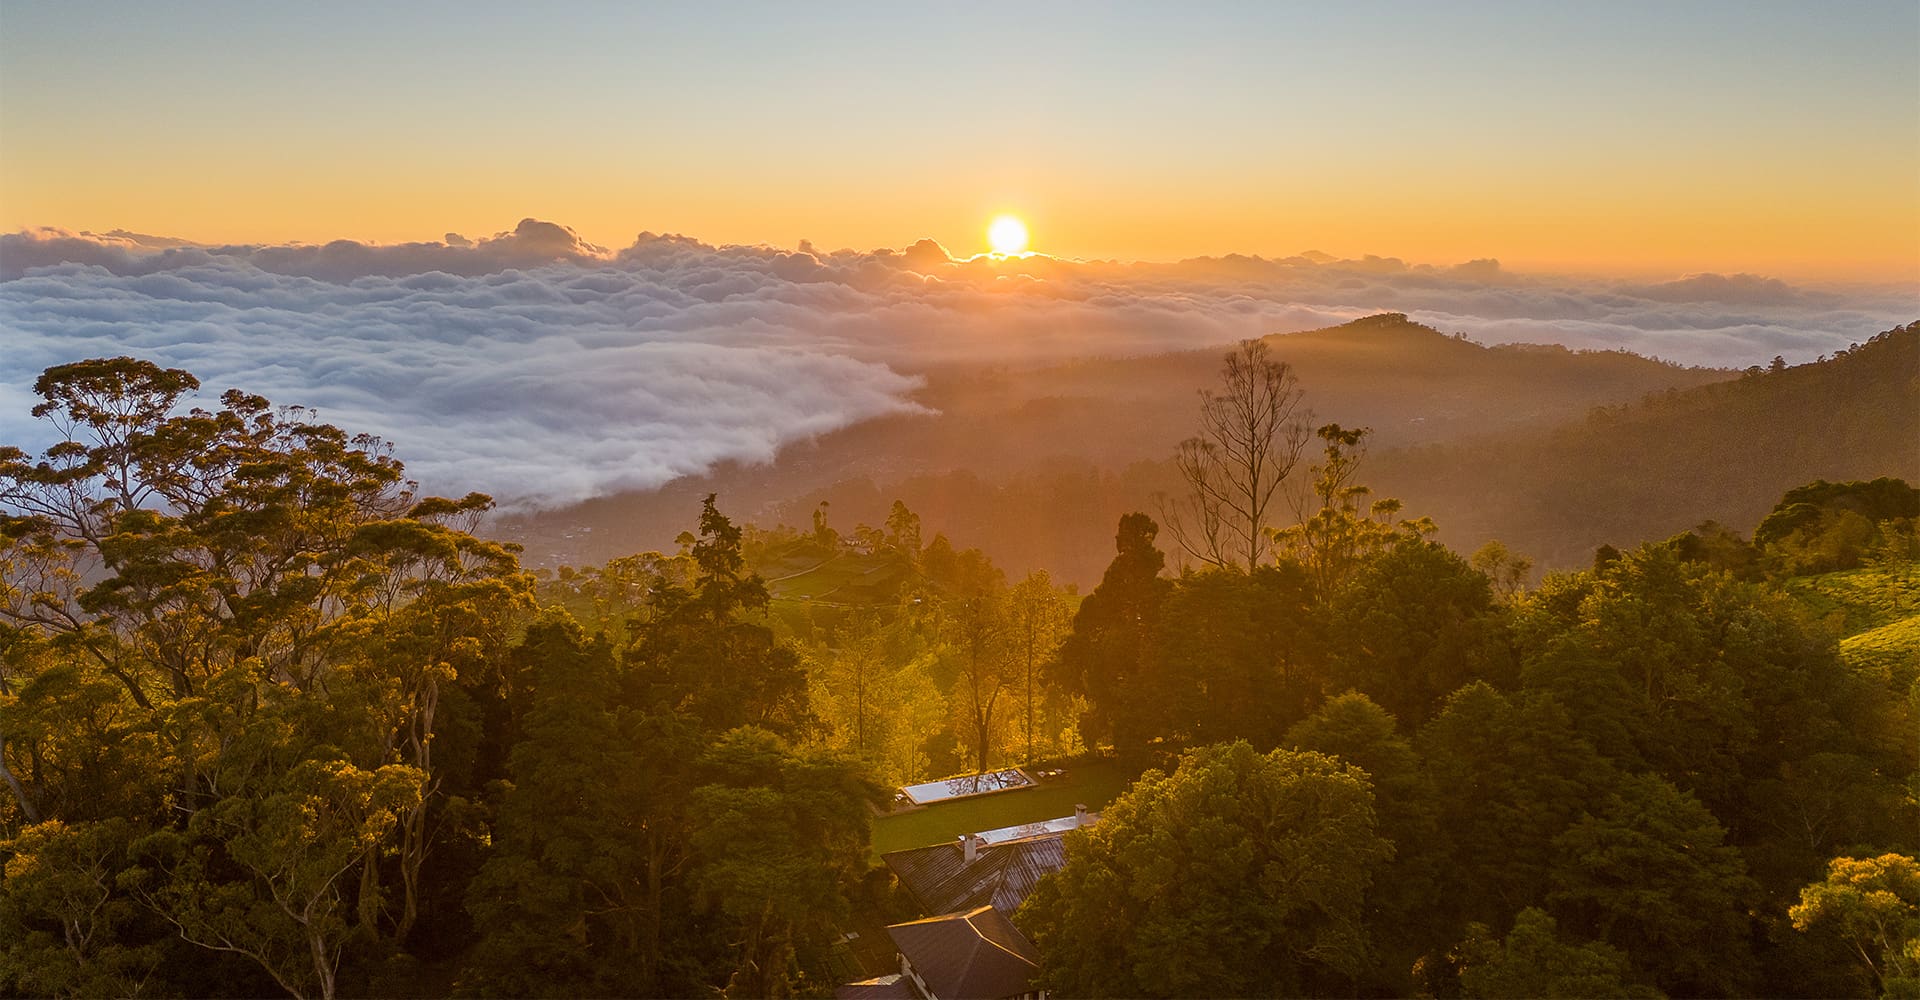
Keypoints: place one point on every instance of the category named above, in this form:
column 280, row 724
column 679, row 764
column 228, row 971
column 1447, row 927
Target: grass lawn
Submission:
column 847, row 578
column 1893, row 649
column 1874, row 608
column 1096, row 784
column 1859, row 600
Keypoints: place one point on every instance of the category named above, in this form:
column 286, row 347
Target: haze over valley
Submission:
column 549, row 372
column 934, row 502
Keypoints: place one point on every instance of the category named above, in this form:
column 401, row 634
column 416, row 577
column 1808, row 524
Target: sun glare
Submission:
column 1007, row 235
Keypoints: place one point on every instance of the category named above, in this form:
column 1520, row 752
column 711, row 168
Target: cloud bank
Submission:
column 544, row 369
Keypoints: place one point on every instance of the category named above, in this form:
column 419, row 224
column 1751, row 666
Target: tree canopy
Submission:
column 273, row 721
column 1239, row 873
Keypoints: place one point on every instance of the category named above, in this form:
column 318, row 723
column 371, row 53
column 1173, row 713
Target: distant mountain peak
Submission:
column 1392, row 325
column 1383, row 320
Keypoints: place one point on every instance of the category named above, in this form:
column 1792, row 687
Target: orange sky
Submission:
column 1780, row 141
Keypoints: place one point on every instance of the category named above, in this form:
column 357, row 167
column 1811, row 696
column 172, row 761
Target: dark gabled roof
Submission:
column 1000, row 876
column 971, row 955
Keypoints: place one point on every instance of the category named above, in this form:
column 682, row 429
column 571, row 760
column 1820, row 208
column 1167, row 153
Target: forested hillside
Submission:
column 273, row 724
column 1649, row 468
column 1553, row 452
column 960, row 501
column 1021, row 461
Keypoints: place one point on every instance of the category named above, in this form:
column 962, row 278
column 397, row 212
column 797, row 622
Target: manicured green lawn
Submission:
column 1096, row 784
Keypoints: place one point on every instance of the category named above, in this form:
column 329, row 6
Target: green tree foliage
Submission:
column 875, row 686
column 1722, row 688
column 1340, row 526
column 271, row 721
column 65, row 930
column 1506, row 569
column 1238, row 874
column 1639, row 469
column 659, row 835
column 984, row 651
column 1718, row 547
column 1104, row 659
column 85, row 750
column 703, row 656
column 606, row 597
column 1353, row 729
column 1415, row 625
column 1511, row 775
column 1822, row 526
column 778, row 839
column 557, row 904
column 903, row 530
column 1821, row 803
column 824, row 535
column 1534, row 961
column 1233, row 655
column 1883, row 499
column 1649, row 873
column 1874, row 904
column 294, row 843
column 241, row 631
column 921, row 663
column 1038, row 618
column 959, row 573
column 856, row 673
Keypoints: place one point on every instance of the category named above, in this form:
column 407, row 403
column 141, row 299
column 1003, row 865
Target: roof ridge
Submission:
column 933, row 919
column 992, row 940
column 982, row 935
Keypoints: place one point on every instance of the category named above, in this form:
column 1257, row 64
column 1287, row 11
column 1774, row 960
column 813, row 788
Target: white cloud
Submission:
column 544, row 369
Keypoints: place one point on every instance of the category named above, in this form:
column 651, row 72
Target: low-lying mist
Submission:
column 545, row 370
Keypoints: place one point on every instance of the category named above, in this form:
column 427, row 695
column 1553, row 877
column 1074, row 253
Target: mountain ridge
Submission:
column 1094, row 419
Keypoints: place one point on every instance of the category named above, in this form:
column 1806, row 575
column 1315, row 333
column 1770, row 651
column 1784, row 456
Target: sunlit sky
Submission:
column 1619, row 138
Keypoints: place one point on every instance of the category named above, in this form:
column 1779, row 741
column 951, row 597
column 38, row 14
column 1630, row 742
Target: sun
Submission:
column 1008, row 236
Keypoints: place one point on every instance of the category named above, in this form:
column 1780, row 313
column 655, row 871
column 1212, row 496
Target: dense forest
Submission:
column 1652, row 463
column 274, row 723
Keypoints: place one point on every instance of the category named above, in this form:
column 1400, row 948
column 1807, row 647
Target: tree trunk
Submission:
column 750, row 977
column 1029, row 700
column 367, row 906
column 413, row 825
column 650, row 941
column 13, row 782
column 413, row 855
column 317, row 945
column 984, row 724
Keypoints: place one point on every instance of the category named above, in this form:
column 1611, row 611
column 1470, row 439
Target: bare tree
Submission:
column 1253, row 431
column 1038, row 620
column 980, row 635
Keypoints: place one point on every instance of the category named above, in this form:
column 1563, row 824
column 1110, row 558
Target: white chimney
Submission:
column 969, row 847
column 1079, row 814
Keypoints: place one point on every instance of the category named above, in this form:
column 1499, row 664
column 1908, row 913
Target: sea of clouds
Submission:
column 545, row 370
